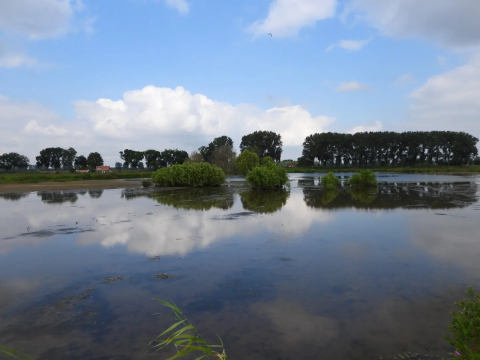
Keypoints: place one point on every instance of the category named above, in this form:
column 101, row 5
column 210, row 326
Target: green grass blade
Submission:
column 171, row 328
column 13, row 353
column 171, row 306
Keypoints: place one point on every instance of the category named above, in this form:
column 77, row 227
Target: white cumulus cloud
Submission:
column 155, row 111
column 450, row 23
column 351, row 86
column 449, row 101
column 286, row 17
column 51, row 130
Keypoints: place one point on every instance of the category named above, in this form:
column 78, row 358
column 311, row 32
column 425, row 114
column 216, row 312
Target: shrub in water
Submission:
column 189, row 174
column 246, row 161
column 146, row 183
column 465, row 327
column 330, row 181
column 363, row 178
column 268, row 176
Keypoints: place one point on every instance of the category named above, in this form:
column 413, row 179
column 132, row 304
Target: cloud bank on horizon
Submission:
column 397, row 66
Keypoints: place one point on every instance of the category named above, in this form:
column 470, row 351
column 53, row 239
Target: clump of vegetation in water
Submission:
column 363, row 178
column 268, row 176
column 14, row 353
column 247, row 161
column 146, row 183
column 189, row 174
column 186, row 339
column 330, row 181
column 465, row 328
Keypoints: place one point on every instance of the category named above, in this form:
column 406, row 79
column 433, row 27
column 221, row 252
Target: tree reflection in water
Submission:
column 264, row 201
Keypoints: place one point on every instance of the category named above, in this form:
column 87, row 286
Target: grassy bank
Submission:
column 41, row 176
column 395, row 170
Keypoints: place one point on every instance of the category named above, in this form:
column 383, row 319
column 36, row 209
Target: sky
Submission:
column 164, row 74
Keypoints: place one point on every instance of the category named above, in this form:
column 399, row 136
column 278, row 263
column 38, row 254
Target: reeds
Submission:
column 186, row 339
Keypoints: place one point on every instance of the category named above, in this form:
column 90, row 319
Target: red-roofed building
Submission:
column 103, row 169
column 290, row 165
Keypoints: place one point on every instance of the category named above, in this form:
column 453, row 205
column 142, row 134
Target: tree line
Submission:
column 220, row 151
column 389, row 149
column 67, row 159
column 327, row 149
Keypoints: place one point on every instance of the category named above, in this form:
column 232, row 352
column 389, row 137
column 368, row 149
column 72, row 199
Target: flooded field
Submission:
column 299, row 274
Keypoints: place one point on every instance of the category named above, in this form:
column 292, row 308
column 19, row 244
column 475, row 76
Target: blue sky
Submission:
column 111, row 74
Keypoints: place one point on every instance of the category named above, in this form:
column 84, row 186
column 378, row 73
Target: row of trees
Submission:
column 13, row 161
column 389, row 148
column 67, row 159
column 154, row 159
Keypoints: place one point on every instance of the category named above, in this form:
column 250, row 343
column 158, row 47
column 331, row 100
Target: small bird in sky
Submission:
column 270, row 34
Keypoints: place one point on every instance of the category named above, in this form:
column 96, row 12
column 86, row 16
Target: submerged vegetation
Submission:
column 465, row 328
column 189, row 175
column 363, row 178
column 330, row 181
column 186, row 339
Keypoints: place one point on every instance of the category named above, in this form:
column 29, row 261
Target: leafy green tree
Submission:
column 224, row 157
column 304, row 161
column 94, row 159
column 219, row 142
column 68, row 158
column 153, row 159
column 50, row 158
column 195, row 157
column 171, row 157
column 118, row 166
column 13, row 161
column 267, row 143
column 246, row 161
column 80, row 162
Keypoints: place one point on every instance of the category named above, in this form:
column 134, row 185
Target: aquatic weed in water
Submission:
column 186, row 339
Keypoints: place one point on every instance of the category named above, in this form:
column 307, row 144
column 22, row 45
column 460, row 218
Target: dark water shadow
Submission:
column 188, row 199
column 13, row 196
column 58, row 197
column 389, row 196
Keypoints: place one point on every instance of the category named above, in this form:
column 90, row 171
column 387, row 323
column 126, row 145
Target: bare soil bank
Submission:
column 70, row 185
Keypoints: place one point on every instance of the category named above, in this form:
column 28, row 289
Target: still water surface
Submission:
column 305, row 274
